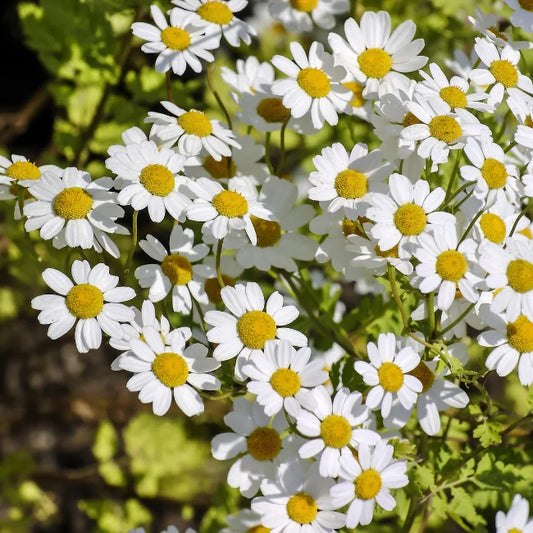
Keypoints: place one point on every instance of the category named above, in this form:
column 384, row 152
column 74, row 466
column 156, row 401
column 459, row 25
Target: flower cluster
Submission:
column 431, row 216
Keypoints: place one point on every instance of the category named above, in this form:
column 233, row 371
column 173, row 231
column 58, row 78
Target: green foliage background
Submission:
column 101, row 84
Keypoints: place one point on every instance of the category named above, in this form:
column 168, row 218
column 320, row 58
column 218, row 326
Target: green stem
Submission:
column 469, row 227
column 217, row 264
column 134, row 235
column 431, row 314
column 454, row 174
column 522, row 213
column 169, row 86
column 510, row 147
column 217, row 96
column 456, row 321
column 267, row 152
column 282, row 147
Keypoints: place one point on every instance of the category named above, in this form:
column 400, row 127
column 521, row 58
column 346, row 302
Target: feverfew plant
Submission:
column 419, row 232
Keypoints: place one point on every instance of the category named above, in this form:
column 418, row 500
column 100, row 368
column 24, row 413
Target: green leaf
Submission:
column 489, row 433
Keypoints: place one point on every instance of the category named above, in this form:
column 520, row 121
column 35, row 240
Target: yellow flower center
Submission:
column 335, row 431
column 212, row 288
column 264, row 444
column 526, row 4
column 268, row 231
column 285, row 382
column 494, row 173
column 528, row 121
column 219, row 169
column 302, row 508
column 390, row 377
column 84, row 301
column 493, row 227
column 255, row 328
column 196, row 123
column 520, row 334
column 515, row 530
column 454, row 97
column 230, row 204
column 424, row 375
column 175, row 38
column 445, row 128
column 304, row 5
column 520, row 275
column 314, row 82
column 170, row 369
column 357, row 90
column 526, row 232
column 451, row 265
column 350, row 227
column 272, row 110
column 410, row 120
column 410, row 219
column 23, row 170
column 374, row 63
column 351, row 184
column 157, row 180
column 368, row 484
column 258, row 529
column 73, row 203
column 391, row 252
column 216, row 12
column 504, row 72
column 177, row 269
column 497, row 33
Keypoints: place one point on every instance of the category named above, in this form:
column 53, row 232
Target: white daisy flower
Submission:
column 281, row 377
column 174, row 271
column 365, row 254
column 245, row 162
column 265, row 111
column 368, row 480
column 218, row 18
column 230, row 270
column 75, row 211
column 247, row 326
column 193, row 132
column 359, row 105
column 133, row 330
column 314, row 85
column 513, row 345
column 447, row 266
column 521, row 105
column 19, row 171
column 501, row 72
column 179, row 45
column 462, row 64
column 438, row 394
column 278, row 242
column 331, row 426
column 336, row 227
column 244, row 521
column 148, row 177
column 453, row 92
column 488, row 24
column 408, row 213
column 375, row 56
column 438, row 129
column 298, row 501
column 251, row 75
column 517, row 519
column 169, row 529
column 347, row 180
column 510, row 270
column 522, row 16
column 164, row 371
column 223, row 210
column 388, row 375
column 257, row 441
column 299, row 15
column 92, row 302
